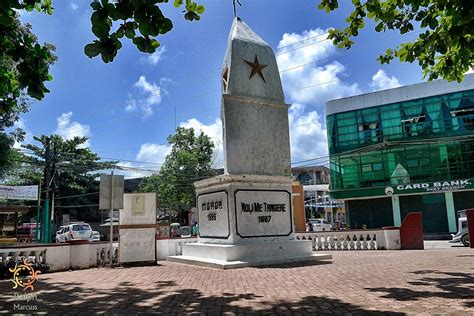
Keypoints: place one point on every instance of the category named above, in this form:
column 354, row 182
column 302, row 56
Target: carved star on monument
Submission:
column 256, row 68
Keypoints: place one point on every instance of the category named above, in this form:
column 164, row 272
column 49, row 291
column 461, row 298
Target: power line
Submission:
column 75, row 206
column 76, row 195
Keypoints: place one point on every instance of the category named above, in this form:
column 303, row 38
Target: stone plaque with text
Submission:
column 213, row 215
column 263, row 213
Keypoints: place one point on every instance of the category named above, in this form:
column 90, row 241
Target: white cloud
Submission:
column 154, row 153
column 131, row 170
column 149, row 159
column 214, row 131
column 308, row 75
column 74, row 6
column 68, row 129
column 150, row 95
column 156, row 56
column 307, row 135
column 380, row 81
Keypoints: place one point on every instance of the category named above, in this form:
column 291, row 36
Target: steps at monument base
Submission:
column 247, row 254
column 249, row 250
column 221, row 264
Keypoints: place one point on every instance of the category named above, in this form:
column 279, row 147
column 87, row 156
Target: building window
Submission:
column 415, row 121
column 377, row 166
column 371, row 132
column 465, row 115
column 372, row 167
column 305, row 178
column 366, row 168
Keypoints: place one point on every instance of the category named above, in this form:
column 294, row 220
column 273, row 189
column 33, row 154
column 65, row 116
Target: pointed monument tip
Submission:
column 241, row 31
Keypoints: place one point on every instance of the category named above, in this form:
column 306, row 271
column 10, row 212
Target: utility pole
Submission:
column 38, row 221
column 47, row 176
column 111, row 215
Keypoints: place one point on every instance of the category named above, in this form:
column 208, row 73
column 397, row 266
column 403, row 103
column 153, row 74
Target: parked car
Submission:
column 462, row 235
column 319, row 224
column 74, row 231
column 95, row 236
column 185, row 231
column 174, row 230
column 58, row 234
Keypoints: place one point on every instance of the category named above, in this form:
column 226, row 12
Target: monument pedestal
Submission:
column 245, row 220
column 238, row 256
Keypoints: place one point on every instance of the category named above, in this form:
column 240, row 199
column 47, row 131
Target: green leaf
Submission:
column 166, row 26
column 143, row 28
column 129, row 32
column 433, row 23
column 155, row 44
column 200, row 9
column 91, row 50
column 96, row 5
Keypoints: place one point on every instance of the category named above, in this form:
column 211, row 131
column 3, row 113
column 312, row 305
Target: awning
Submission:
column 11, row 209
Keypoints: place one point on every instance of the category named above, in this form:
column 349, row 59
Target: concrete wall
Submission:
column 59, row 257
column 171, row 247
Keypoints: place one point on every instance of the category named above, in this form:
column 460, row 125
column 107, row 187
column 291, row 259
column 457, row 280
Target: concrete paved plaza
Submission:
column 360, row 282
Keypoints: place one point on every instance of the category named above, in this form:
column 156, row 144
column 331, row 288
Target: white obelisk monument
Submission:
column 245, row 216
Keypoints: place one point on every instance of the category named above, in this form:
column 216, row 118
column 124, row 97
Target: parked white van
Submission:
column 74, row 231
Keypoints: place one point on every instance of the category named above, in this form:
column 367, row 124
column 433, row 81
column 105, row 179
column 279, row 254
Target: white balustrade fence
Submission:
column 60, row 257
column 353, row 240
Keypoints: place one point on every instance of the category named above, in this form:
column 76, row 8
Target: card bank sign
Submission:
column 431, row 187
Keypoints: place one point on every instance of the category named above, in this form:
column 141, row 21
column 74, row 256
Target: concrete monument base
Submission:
column 244, row 255
column 245, row 220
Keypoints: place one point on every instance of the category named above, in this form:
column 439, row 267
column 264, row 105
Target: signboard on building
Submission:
column 137, row 227
column 25, row 192
column 441, row 186
column 262, row 213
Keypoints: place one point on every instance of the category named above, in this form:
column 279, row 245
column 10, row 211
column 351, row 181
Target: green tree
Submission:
column 66, row 167
column 24, row 67
column 445, row 46
column 190, row 160
column 138, row 20
column 9, row 156
column 24, row 63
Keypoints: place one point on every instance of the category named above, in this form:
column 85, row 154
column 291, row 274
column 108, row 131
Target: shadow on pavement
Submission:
column 450, row 285
column 166, row 298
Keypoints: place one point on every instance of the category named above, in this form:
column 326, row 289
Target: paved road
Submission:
column 366, row 282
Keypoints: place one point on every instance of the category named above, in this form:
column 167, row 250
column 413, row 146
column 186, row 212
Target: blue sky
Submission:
column 127, row 107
